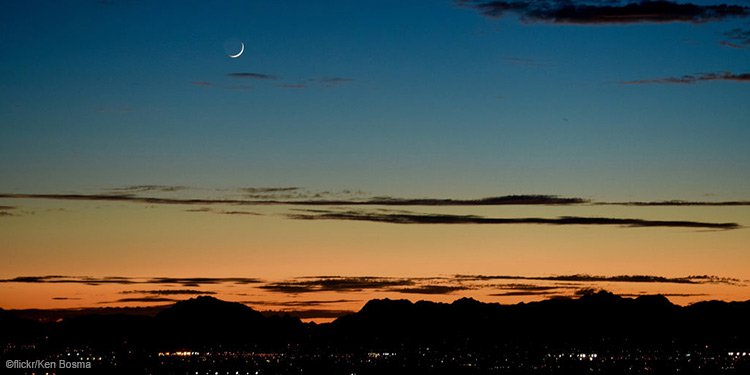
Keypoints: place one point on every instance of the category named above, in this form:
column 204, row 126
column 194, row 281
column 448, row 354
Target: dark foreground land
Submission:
column 598, row 333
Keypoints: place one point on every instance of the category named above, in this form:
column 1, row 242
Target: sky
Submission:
column 356, row 140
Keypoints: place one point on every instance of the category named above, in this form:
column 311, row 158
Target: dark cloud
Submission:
column 266, row 190
column 690, row 79
column 4, row 211
column 737, row 38
column 149, row 188
column 65, row 298
column 293, row 86
column 335, row 81
column 299, row 303
column 197, row 281
column 89, row 280
column 58, row 279
column 169, row 292
column 679, row 203
column 269, row 195
column 259, row 76
column 532, row 287
column 377, row 201
column 200, row 209
column 201, row 83
column 239, row 213
column 432, row 289
column 418, row 218
column 335, row 284
column 141, row 299
column 224, row 212
column 693, row 279
column 521, row 293
column 662, row 294
column 607, row 12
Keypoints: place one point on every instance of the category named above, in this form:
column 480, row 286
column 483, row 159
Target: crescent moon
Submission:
column 242, row 49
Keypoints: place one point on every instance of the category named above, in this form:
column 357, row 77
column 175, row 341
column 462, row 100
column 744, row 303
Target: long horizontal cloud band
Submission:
column 493, row 285
column 609, row 12
column 402, row 218
column 506, row 200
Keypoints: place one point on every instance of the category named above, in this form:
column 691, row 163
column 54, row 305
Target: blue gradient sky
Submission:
column 443, row 101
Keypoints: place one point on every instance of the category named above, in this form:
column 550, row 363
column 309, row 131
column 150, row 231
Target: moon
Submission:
column 242, row 49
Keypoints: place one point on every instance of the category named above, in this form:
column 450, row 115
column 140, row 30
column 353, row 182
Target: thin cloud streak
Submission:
column 691, row 79
column 260, row 194
column 678, row 203
column 169, row 292
column 417, row 218
column 613, row 12
column 140, row 299
column 378, row 201
column 432, row 289
column 250, row 75
column 335, row 284
column 149, row 188
column 4, row 211
column 693, row 279
column 299, row 303
column 737, row 38
column 123, row 280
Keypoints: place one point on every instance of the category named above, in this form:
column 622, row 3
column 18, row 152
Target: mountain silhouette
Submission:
column 589, row 320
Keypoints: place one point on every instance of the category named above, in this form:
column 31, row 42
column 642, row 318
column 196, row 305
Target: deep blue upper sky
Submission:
column 408, row 98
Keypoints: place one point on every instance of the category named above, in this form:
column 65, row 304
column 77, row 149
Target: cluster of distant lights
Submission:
column 578, row 356
column 738, row 354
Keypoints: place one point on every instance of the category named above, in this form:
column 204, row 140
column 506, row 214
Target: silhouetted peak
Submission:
column 208, row 307
column 654, row 300
column 385, row 305
column 466, row 301
column 593, row 295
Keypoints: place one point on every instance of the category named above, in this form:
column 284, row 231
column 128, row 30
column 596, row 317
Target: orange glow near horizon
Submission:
column 82, row 238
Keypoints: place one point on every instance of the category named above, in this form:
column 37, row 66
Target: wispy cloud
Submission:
column 678, row 203
column 335, row 284
column 292, row 86
column 149, row 188
column 662, row 294
column 607, row 12
column 169, row 292
column 693, row 279
column 737, row 38
column 268, row 190
column 421, row 218
column 250, row 75
column 432, row 289
column 694, row 78
column 141, row 300
column 6, row 211
column 522, row 293
column 376, row 201
column 299, row 303
column 335, row 81
column 92, row 280
column 296, row 196
column 201, row 83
